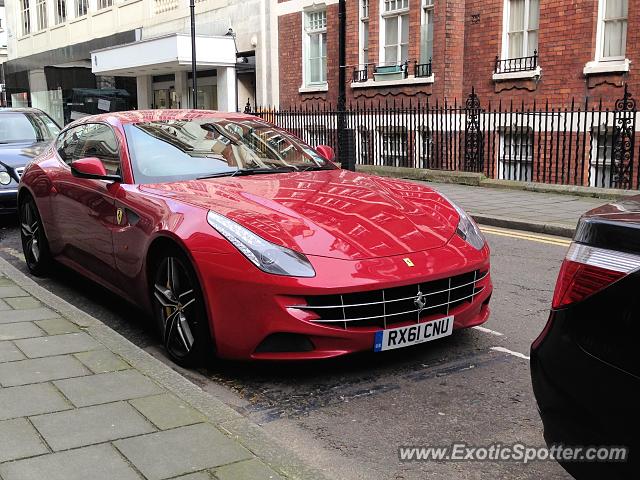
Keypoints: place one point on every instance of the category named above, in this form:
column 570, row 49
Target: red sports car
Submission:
column 246, row 243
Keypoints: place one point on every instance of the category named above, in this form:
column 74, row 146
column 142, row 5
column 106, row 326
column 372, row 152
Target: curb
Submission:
column 527, row 226
column 479, row 180
column 226, row 419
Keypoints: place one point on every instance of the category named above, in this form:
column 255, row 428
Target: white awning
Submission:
column 163, row 55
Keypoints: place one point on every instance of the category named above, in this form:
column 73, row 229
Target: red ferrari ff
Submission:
column 243, row 241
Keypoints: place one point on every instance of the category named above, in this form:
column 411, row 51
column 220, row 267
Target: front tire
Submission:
column 180, row 311
column 34, row 240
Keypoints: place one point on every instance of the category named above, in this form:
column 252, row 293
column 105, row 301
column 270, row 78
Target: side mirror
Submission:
column 327, row 152
column 91, row 167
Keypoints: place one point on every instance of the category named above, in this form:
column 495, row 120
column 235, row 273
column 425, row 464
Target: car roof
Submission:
column 142, row 116
column 20, row 110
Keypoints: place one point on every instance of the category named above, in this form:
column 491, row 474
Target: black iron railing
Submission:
column 511, row 65
column 422, row 69
column 361, row 74
column 580, row 143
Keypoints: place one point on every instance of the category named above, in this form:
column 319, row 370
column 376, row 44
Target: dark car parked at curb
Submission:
column 24, row 132
column 585, row 365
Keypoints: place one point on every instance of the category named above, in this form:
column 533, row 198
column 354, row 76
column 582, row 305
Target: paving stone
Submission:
column 166, row 411
column 18, row 439
column 90, row 425
column 12, row 291
column 27, row 315
column 4, row 305
column 30, row 400
column 194, row 476
column 180, row 451
column 57, row 345
column 40, row 370
column 21, row 303
column 16, row 331
column 57, row 326
column 252, row 469
column 107, row 387
column 99, row 462
column 9, row 352
column 102, row 361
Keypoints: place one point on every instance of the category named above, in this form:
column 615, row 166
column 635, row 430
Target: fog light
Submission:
column 285, row 342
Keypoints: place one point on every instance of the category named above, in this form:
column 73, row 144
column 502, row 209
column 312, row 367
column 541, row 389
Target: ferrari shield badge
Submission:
column 408, row 262
column 119, row 216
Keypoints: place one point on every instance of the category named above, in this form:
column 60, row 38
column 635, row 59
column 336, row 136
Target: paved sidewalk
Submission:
column 78, row 401
column 555, row 214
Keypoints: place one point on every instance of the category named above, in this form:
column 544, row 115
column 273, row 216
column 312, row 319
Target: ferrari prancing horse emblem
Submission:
column 408, row 262
column 119, row 216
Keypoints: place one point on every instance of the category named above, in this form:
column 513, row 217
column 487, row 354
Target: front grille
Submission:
column 382, row 308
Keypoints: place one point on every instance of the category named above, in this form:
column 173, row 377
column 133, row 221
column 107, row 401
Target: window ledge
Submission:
column 528, row 74
column 314, row 88
column 390, row 83
column 78, row 19
column 614, row 66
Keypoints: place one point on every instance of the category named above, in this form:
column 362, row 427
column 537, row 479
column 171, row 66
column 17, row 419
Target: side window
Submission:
column 98, row 140
column 67, row 144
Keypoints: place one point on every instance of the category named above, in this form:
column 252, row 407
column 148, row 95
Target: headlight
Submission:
column 5, row 178
column 265, row 255
column 467, row 228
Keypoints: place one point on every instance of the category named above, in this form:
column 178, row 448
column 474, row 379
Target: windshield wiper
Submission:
column 315, row 167
column 247, row 171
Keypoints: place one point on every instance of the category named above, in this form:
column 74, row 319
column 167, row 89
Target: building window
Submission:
column 600, row 165
column 516, row 156
column 315, row 50
column 365, row 155
column 25, row 17
column 395, row 32
column 60, row 13
column 426, row 32
column 425, row 148
column 82, row 7
column 364, row 32
column 613, row 28
column 522, row 28
column 41, row 12
column 394, row 148
column 104, row 4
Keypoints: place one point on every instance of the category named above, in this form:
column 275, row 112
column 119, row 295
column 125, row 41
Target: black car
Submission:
column 585, row 365
column 24, row 132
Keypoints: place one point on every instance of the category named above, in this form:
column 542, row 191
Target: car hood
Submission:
column 330, row 213
column 16, row 155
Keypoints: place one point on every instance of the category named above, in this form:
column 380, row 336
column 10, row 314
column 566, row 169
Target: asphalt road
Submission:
column 349, row 416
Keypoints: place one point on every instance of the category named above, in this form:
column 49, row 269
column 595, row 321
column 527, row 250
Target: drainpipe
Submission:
column 343, row 150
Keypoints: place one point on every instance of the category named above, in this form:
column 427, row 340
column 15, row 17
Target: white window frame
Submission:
column 363, row 15
column 60, row 11
column 426, row 12
column 384, row 15
column 79, row 10
column 25, row 17
column 393, row 149
column 513, row 168
column 41, row 15
column 600, row 36
column 505, row 30
column 306, row 49
column 104, row 4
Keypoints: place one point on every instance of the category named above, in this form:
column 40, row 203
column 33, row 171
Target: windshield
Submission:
column 172, row 150
column 20, row 127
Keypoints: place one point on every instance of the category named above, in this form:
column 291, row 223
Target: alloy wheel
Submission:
column 176, row 297
column 30, row 229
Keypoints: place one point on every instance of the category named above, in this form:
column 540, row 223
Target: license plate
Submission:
column 412, row 335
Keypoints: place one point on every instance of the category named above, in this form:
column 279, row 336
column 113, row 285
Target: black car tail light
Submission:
column 587, row 270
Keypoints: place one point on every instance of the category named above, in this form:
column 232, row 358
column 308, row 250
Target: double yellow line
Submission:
column 548, row 239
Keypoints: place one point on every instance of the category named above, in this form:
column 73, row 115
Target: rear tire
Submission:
column 35, row 245
column 179, row 309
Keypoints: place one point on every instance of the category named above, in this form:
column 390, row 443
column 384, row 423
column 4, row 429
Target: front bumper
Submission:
column 246, row 305
column 8, row 200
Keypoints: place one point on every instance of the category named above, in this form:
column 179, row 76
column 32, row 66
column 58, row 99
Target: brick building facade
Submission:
column 407, row 49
